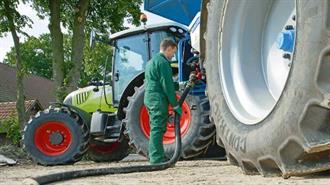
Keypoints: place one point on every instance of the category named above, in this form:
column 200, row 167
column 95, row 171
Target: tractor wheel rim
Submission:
column 169, row 136
column 253, row 65
column 44, row 135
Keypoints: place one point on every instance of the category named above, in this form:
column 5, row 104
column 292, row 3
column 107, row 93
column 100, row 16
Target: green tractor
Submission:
column 106, row 117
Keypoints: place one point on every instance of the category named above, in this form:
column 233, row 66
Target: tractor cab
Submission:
column 133, row 48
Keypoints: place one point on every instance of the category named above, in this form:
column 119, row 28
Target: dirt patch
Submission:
column 185, row 172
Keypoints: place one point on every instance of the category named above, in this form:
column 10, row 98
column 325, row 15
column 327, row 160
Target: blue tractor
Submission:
column 132, row 50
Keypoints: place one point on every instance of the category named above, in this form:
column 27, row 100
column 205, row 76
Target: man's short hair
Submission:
column 168, row 42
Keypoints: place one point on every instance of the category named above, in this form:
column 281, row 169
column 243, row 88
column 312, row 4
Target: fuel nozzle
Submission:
column 192, row 80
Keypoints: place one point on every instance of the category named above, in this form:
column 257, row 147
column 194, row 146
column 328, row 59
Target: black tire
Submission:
column 72, row 122
column 194, row 142
column 294, row 138
column 108, row 152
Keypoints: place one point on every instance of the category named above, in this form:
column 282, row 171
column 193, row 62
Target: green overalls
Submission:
column 159, row 92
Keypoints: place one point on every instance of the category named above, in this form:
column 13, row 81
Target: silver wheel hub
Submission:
column 256, row 55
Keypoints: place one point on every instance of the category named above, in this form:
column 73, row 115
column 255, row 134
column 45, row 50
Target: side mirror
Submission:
column 96, row 36
column 92, row 39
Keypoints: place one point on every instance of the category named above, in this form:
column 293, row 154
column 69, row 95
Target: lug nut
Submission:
column 288, row 27
column 287, row 56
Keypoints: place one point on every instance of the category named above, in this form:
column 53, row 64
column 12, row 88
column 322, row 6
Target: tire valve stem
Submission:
column 287, row 56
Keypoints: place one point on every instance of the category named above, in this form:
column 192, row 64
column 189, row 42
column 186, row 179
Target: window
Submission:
column 157, row 37
column 129, row 60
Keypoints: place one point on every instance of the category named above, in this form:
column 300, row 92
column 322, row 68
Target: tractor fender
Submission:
column 85, row 116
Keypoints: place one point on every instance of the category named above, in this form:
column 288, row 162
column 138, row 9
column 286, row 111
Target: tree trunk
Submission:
column 57, row 48
column 78, row 43
column 20, row 107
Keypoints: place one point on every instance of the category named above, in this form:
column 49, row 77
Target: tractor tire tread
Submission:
column 292, row 140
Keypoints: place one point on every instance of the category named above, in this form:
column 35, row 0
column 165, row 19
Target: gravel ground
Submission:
column 185, row 172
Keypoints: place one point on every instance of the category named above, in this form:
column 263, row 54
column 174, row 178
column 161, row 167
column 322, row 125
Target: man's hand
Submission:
column 178, row 110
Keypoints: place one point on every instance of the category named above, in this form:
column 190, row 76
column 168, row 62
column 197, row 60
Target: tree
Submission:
column 79, row 17
column 57, row 48
column 37, row 54
column 13, row 22
column 94, row 62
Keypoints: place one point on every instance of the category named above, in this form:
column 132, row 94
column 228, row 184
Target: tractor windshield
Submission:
column 130, row 57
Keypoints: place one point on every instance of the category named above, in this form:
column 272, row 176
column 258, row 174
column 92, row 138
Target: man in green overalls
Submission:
column 159, row 93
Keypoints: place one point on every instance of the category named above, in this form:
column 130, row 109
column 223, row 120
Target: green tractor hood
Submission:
column 89, row 100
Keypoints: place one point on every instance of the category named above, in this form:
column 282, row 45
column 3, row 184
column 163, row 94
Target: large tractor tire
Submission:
column 56, row 137
column 271, row 112
column 196, row 129
column 108, row 152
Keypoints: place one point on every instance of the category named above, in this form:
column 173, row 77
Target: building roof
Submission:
column 35, row 87
column 9, row 108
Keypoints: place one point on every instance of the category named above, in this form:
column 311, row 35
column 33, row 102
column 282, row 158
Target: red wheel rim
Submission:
column 104, row 147
column 169, row 136
column 46, row 131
